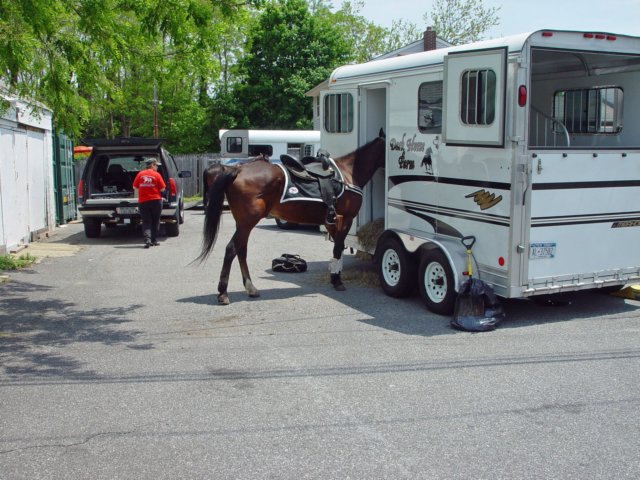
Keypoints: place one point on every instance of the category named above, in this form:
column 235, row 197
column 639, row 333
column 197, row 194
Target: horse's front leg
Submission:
column 241, row 241
column 229, row 255
column 335, row 264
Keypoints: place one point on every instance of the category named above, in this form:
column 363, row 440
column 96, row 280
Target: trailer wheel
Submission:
column 395, row 269
column 436, row 282
column 92, row 227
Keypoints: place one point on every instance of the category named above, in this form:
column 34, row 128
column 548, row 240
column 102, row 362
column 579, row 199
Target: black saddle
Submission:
column 309, row 168
column 319, row 170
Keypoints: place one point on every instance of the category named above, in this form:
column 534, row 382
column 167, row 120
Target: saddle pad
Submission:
column 289, row 263
column 296, row 189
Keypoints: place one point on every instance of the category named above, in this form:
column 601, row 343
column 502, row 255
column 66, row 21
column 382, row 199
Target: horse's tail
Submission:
column 205, row 186
column 222, row 177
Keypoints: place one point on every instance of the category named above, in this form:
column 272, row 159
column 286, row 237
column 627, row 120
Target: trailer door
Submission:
column 339, row 113
column 474, row 97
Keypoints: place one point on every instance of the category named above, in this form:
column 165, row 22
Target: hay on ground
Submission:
column 369, row 233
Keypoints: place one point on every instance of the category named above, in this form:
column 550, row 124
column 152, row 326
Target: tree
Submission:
column 366, row 40
column 290, row 51
column 461, row 21
column 95, row 63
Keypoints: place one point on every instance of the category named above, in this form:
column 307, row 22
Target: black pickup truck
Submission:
column 105, row 192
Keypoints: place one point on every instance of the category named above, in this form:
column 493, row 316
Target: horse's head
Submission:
column 365, row 160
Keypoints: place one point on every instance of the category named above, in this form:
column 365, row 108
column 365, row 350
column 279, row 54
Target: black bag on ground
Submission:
column 483, row 321
column 289, row 263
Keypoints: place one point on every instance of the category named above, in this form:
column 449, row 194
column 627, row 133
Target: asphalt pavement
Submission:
column 117, row 362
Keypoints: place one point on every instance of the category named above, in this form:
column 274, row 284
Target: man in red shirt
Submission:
column 150, row 185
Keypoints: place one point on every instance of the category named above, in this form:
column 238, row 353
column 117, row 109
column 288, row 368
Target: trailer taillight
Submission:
column 80, row 190
column 547, row 34
column 522, row 95
column 600, row 36
column 172, row 186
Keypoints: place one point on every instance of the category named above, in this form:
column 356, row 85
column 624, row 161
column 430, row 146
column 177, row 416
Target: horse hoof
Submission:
column 255, row 294
column 223, row 300
column 336, row 281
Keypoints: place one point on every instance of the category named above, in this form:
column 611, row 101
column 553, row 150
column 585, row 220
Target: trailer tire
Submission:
column 395, row 269
column 436, row 282
column 92, row 227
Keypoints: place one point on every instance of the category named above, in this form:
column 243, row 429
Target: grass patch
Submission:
column 8, row 262
column 195, row 198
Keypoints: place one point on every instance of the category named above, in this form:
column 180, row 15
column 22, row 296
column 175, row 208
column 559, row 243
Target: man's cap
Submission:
column 150, row 161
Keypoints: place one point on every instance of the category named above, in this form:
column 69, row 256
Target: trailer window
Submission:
column 338, row 113
column 478, row 91
column 234, row 144
column 589, row 110
column 255, row 150
column 430, row 107
column 308, row 151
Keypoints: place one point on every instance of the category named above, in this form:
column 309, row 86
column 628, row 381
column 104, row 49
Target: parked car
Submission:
column 105, row 192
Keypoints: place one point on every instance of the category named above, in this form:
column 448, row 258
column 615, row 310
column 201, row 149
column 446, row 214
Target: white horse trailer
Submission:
column 529, row 143
column 242, row 143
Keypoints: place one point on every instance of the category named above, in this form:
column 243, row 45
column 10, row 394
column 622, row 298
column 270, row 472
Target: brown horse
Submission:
column 210, row 173
column 254, row 190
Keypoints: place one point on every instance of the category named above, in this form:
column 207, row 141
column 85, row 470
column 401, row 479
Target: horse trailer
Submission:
column 241, row 143
column 529, row 143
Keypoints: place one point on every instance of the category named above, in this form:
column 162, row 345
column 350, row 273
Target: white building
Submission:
column 27, row 201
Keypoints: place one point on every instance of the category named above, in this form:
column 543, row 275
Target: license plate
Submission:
column 127, row 210
column 542, row 250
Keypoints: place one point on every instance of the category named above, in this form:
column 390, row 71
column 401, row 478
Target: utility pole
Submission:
column 155, row 111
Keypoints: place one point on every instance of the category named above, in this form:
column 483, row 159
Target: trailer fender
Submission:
column 452, row 248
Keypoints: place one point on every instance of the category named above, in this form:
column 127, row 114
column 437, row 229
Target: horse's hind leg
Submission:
column 241, row 240
column 229, row 255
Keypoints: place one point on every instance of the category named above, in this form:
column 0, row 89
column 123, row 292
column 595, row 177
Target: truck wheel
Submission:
column 283, row 224
column 92, row 227
column 181, row 221
column 436, row 282
column 173, row 229
column 395, row 269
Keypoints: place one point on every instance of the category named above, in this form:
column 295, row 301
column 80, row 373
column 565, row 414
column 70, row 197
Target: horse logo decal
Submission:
column 427, row 163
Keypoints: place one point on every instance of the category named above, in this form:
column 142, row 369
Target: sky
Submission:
column 519, row 16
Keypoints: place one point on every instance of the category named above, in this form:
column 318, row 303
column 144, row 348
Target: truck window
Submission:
column 338, row 113
column 589, row 110
column 430, row 107
column 478, row 91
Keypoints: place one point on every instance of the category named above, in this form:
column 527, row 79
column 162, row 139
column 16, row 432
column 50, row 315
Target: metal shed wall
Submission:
column 27, row 202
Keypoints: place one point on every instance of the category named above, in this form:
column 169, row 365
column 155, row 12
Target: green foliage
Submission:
column 95, row 62
column 290, row 52
column 462, row 21
column 9, row 262
column 105, row 66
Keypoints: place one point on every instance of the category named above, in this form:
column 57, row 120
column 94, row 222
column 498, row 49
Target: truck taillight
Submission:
column 172, row 187
column 80, row 190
